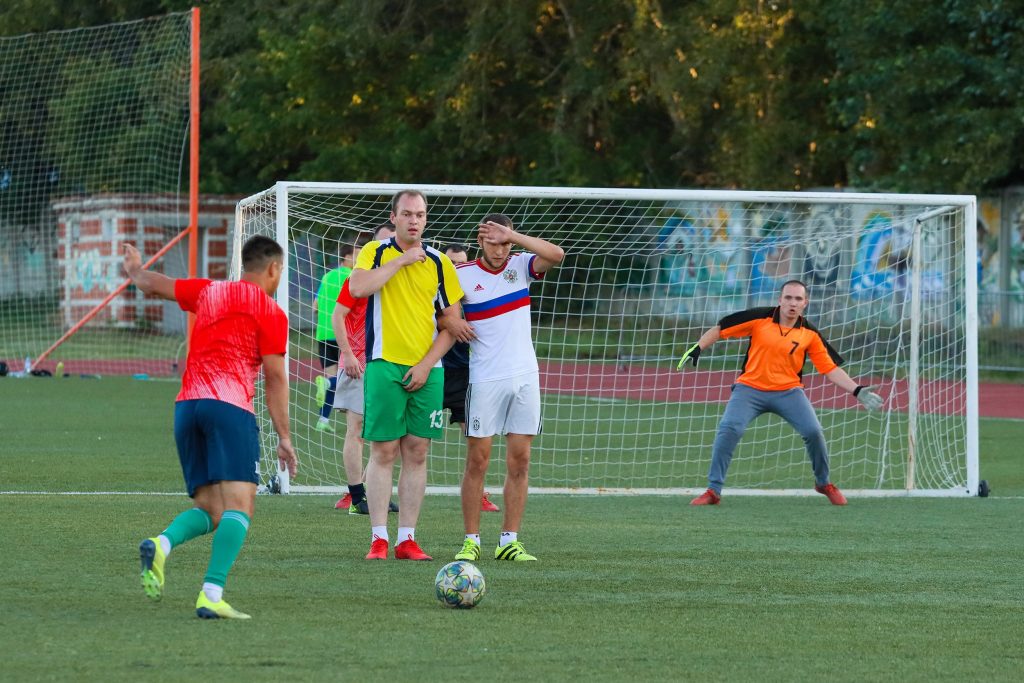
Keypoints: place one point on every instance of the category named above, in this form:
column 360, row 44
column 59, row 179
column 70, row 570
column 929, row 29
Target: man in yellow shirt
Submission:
column 407, row 284
column 772, row 382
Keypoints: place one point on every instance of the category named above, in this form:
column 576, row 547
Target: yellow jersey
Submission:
column 401, row 320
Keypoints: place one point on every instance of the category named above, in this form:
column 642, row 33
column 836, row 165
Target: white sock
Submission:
column 213, row 592
column 508, row 537
column 324, row 420
column 474, row 537
column 406, row 533
column 380, row 532
column 165, row 544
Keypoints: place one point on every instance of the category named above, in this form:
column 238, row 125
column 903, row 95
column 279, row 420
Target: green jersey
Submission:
column 327, row 299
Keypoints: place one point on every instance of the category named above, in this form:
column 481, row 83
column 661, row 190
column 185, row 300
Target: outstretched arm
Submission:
column 692, row 353
column 146, row 280
column 548, row 255
column 865, row 394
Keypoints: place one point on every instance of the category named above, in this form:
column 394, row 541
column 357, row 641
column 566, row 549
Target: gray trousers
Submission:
column 746, row 404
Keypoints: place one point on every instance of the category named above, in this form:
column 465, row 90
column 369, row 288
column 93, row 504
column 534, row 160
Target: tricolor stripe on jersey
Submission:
column 495, row 307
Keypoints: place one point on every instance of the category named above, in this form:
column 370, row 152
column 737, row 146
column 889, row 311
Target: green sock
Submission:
column 188, row 525
column 227, row 543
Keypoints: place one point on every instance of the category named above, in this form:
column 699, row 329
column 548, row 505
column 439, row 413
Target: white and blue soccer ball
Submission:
column 460, row 585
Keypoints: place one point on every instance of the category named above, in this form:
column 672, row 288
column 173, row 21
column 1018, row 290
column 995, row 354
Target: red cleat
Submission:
column 834, row 495
column 379, row 549
column 344, row 503
column 408, row 550
column 487, row 506
column 709, row 497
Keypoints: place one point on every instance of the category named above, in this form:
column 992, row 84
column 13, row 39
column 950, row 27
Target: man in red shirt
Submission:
column 238, row 330
column 780, row 342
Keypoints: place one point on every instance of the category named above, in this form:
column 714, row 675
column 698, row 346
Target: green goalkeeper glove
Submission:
column 868, row 398
column 692, row 354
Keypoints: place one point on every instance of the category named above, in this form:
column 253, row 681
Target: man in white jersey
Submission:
column 504, row 380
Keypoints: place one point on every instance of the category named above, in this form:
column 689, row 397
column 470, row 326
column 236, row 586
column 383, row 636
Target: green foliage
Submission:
column 916, row 96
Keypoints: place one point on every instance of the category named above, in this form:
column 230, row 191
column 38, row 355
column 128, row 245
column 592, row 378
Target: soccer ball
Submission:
column 459, row 584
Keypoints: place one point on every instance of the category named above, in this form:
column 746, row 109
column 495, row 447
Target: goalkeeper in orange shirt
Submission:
column 781, row 339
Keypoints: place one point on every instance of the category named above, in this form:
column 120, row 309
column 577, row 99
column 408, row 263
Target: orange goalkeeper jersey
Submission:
column 776, row 354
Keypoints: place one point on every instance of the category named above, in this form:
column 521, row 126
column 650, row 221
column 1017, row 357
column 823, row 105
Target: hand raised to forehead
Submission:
column 495, row 233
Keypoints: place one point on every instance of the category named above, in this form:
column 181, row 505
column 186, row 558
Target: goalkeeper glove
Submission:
column 867, row 397
column 692, row 354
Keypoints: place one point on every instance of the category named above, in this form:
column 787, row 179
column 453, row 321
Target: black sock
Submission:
column 358, row 492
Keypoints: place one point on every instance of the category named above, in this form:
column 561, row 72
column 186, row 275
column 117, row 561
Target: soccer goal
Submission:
column 892, row 286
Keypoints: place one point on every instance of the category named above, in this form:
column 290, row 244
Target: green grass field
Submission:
column 634, row 588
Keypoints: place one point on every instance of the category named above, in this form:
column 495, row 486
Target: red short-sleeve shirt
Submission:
column 355, row 321
column 237, row 324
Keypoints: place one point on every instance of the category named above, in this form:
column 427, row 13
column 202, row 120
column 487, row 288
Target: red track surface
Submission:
column 601, row 380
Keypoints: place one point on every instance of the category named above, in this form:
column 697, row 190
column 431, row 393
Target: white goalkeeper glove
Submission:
column 868, row 398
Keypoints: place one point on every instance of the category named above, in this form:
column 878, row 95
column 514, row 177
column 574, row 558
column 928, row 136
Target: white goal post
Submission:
column 892, row 284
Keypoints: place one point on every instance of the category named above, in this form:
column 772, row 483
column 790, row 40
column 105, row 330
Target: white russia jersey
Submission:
column 497, row 305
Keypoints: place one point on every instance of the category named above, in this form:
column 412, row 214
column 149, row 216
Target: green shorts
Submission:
column 392, row 412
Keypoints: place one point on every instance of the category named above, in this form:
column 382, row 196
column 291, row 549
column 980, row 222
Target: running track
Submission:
column 610, row 381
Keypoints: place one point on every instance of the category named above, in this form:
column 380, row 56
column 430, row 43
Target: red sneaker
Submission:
column 344, row 503
column 487, row 506
column 709, row 497
column 379, row 550
column 408, row 550
column 834, row 495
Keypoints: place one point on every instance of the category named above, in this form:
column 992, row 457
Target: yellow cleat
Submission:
column 206, row 609
column 514, row 552
column 152, row 557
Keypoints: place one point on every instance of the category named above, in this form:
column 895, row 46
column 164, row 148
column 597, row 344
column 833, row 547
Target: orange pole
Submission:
column 98, row 307
column 193, row 161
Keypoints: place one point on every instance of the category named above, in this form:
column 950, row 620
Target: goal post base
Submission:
column 682, row 492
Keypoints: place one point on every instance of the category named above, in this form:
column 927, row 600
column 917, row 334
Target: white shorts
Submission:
column 504, row 406
column 349, row 393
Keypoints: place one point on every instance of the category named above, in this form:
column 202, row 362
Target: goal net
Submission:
column 93, row 146
column 892, row 286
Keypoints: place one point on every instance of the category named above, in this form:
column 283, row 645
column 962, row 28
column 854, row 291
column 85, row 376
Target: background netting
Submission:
column 93, row 142
column 645, row 274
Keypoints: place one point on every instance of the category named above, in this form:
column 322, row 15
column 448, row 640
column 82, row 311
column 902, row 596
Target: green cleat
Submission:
column 206, row 609
column 470, row 551
column 152, row 558
column 324, row 427
column 321, row 389
column 513, row 551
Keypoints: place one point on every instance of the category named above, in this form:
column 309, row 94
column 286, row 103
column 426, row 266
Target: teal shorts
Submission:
column 391, row 412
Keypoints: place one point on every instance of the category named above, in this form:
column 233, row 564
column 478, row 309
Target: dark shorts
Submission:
column 216, row 442
column 456, row 381
column 328, row 350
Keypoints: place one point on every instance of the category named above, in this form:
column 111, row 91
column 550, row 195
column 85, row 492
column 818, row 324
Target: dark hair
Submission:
column 346, row 250
column 388, row 225
column 403, row 193
column 456, row 247
column 258, row 252
column 499, row 218
column 795, row 282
